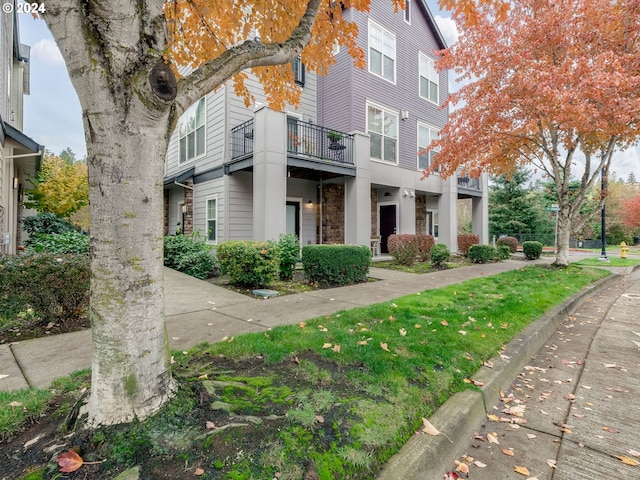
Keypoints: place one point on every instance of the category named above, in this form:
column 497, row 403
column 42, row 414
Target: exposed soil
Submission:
column 243, row 443
column 28, row 329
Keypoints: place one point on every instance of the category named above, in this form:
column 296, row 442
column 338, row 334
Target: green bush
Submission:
column 67, row 242
column 249, row 264
column 504, row 252
column 424, row 242
column 511, row 242
column 190, row 254
column 440, row 255
column 289, row 254
column 54, row 287
column 403, row 248
column 465, row 241
column 532, row 250
column 46, row 223
column 336, row 265
column 482, row 253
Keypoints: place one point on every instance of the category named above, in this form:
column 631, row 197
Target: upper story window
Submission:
column 298, row 71
column 429, row 87
column 212, row 219
column 407, row 11
column 191, row 130
column 382, row 126
column 426, row 135
column 382, row 52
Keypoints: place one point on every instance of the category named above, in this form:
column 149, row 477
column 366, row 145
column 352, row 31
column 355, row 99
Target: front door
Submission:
column 388, row 225
column 293, row 217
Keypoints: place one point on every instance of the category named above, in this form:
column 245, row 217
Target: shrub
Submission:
column 504, row 252
column 46, row 223
column 439, row 255
column 289, row 254
column 465, row 241
column 532, row 250
column 336, row 265
column 424, row 242
column 190, row 254
column 55, row 287
column 403, row 248
column 249, row 264
column 68, row 242
column 482, row 253
column 511, row 242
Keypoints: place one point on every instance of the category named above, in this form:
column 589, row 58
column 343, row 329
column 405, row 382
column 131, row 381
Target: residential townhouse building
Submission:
column 344, row 167
column 20, row 156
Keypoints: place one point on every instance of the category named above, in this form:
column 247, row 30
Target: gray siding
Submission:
column 343, row 94
column 202, row 191
column 240, row 211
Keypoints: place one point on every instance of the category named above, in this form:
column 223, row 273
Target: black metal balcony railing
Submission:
column 303, row 140
column 468, row 182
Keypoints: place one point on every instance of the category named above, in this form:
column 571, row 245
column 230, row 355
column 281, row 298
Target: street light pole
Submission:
column 603, row 193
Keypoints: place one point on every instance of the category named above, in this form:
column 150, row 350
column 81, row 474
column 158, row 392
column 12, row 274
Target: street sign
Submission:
column 553, row 208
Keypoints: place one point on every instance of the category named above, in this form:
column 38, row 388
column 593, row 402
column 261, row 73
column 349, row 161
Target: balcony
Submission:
column 305, row 141
column 468, row 182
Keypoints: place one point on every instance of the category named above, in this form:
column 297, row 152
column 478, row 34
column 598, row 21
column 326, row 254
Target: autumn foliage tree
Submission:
column 549, row 84
column 60, row 187
column 123, row 59
column 632, row 212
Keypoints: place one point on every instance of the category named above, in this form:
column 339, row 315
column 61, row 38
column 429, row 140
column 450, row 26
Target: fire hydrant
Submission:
column 623, row 250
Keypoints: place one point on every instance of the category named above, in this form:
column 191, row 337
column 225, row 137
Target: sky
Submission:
column 53, row 117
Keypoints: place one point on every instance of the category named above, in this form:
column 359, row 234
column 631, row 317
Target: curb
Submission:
column 426, row 456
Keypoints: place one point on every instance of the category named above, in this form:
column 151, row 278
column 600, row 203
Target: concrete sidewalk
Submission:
column 198, row 311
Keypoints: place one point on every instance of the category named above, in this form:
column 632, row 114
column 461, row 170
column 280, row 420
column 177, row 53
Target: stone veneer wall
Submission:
column 374, row 211
column 166, row 213
column 421, row 214
column 333, row 213
column 187, row 228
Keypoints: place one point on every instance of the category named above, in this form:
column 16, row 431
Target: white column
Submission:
column 357, row 195
column 269, row 174
column 448, row 214
column 480, row 211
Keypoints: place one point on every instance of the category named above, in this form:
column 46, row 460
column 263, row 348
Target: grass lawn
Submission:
column 612, row 262
column 334, row 396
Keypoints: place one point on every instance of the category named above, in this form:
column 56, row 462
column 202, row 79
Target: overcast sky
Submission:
column 53, row 118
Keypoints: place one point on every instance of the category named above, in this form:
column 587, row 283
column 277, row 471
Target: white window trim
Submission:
column 195, row 105
column 435, row 220
column 395, row 52
column 206, row 218
column 429, row 57
column 423, row 125
column 407, row 11
column 397, row 114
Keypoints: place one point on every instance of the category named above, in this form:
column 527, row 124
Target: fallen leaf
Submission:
column 403, row 332
column 493, row 438
column 477, row 383
column 462, row 332
column 521, row 470
column 451, row 476
column 198, row 472
column 204, row 376
column 530, row 436
column 493, row 418
column 479, row 464
column 445, row 323
column 634, row 453
column 327, row 345
column 417, row 325
column 209, row 425
column 552, row 463
column 296, row 360
column 462, row 467
column 336, row 348
column 320, row 418
column 509, row 452
column 628, row 460
column 302, row 324
column 385, row 347
column 488, row 364
column 69, row 461
column 15, row 404
column 611, row 430
column 363, row 342
column 429, row 428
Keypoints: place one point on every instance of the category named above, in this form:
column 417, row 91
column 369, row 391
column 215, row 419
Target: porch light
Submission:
column 16, row 183
column 184, row 208
column 310, row 203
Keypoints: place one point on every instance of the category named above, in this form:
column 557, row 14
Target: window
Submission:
column 426, row 135
column 212, row 219
column 407, row 11
column 382, row 52
column 428, row 79
column 191, row 130
column 336, row 48
column 382, row 126
column 298, row 71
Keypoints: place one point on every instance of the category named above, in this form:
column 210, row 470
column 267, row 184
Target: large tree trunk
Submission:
column 564, row 234
column 126, row 145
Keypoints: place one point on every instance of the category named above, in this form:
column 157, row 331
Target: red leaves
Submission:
column 69, row 461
